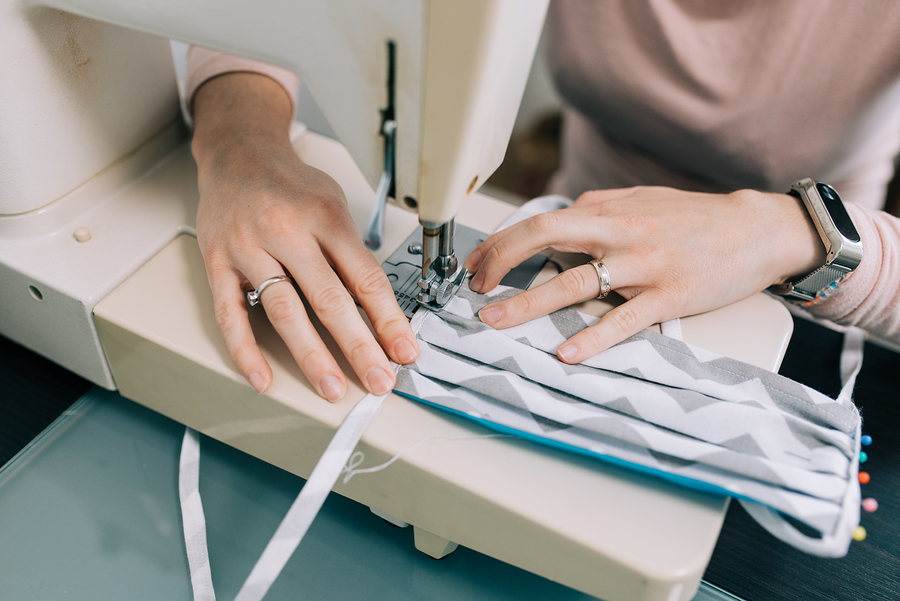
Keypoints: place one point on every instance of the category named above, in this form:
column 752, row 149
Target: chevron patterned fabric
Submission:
column 655, row 403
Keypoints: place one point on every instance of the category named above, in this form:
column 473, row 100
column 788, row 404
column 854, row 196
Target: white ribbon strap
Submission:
column 307, row 504
column 295, row 523
column 851, row 361
column 671, row 328
column 536, row 206
column 192, row 518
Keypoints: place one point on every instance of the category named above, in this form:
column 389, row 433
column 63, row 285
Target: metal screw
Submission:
column 444, row 292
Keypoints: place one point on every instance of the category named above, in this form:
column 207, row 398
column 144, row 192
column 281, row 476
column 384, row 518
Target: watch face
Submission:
column 838, row 212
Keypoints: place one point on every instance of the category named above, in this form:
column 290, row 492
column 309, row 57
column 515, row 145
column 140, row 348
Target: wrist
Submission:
column 237, row 111
column 800, row 247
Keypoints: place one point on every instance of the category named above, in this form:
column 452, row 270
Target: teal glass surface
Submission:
column 90, row 511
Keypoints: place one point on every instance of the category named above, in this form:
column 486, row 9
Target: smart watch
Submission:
column 843, row 247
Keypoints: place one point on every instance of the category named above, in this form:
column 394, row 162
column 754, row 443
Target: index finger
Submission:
column 365, row 278
column 593, row 197
column 558, row 230
column 475, row 258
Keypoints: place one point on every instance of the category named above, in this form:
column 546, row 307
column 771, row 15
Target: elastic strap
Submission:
column 308, row 503
column 192, row 518
column 671, row 328
column 295, row 523
column 851, row 362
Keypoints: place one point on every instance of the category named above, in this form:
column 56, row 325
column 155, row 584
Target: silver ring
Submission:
column 603, row 275
column 253, row 295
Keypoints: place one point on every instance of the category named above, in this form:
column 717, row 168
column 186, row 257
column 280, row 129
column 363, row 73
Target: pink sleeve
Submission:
column 870, row 297
column 202, row 64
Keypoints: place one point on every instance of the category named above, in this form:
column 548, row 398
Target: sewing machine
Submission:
column 99, row 94
column 101, row 272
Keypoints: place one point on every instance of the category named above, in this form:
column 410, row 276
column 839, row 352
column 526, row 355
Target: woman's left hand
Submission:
column 669, row 253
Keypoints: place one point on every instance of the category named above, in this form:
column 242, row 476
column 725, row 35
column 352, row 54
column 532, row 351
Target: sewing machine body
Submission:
column 99, row 94
column 125, row 302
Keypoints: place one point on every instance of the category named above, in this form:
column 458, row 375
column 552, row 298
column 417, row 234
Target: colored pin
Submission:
column 864, row 477
column 859, row 533
column 870, row 505
column 863, row 456
column 866, row 440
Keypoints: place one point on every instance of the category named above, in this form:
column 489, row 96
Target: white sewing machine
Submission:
column 100, row 271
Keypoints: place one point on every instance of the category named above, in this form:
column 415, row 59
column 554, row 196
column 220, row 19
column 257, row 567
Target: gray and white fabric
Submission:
column 656, row 404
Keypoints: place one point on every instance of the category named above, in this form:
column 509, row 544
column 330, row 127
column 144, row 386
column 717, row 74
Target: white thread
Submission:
column 358, row 457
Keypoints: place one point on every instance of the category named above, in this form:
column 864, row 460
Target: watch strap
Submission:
column 816, row 286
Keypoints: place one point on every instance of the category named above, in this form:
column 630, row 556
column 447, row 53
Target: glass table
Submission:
column 89, row 510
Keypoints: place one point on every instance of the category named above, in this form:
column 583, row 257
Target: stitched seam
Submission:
column 764, row 385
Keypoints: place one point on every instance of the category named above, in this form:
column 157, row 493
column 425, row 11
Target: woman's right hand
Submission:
column 263, row 213
column 669, row 253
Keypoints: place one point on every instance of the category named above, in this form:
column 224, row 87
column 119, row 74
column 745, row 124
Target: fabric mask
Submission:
column 654, row 404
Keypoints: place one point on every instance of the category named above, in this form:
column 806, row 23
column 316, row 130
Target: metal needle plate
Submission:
column 404, row 268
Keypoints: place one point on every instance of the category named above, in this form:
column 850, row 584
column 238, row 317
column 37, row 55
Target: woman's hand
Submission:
column 669, row 254
column 264, row 213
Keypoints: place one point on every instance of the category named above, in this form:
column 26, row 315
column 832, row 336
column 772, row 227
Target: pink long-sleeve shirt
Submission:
column 201, row 65
column 870, row 297
column 711, row 96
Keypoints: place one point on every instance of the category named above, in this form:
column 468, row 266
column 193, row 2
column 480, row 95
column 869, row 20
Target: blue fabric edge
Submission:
column 690, row 483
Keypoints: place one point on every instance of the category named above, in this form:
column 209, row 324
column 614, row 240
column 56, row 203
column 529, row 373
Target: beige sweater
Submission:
column 716, row 96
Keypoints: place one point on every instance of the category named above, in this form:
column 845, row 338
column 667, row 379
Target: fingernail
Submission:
column 379, row 381
column 567, row 353
column 491, row 314
column 477, row 281
column 473, row 261
column 257, row 382
column 404, row 351
column 332, row 387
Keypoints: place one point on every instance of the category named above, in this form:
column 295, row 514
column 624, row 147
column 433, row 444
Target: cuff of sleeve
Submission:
column 203, row 64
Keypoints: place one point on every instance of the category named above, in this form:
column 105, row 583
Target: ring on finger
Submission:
column 603, row 276
column 253, row 295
